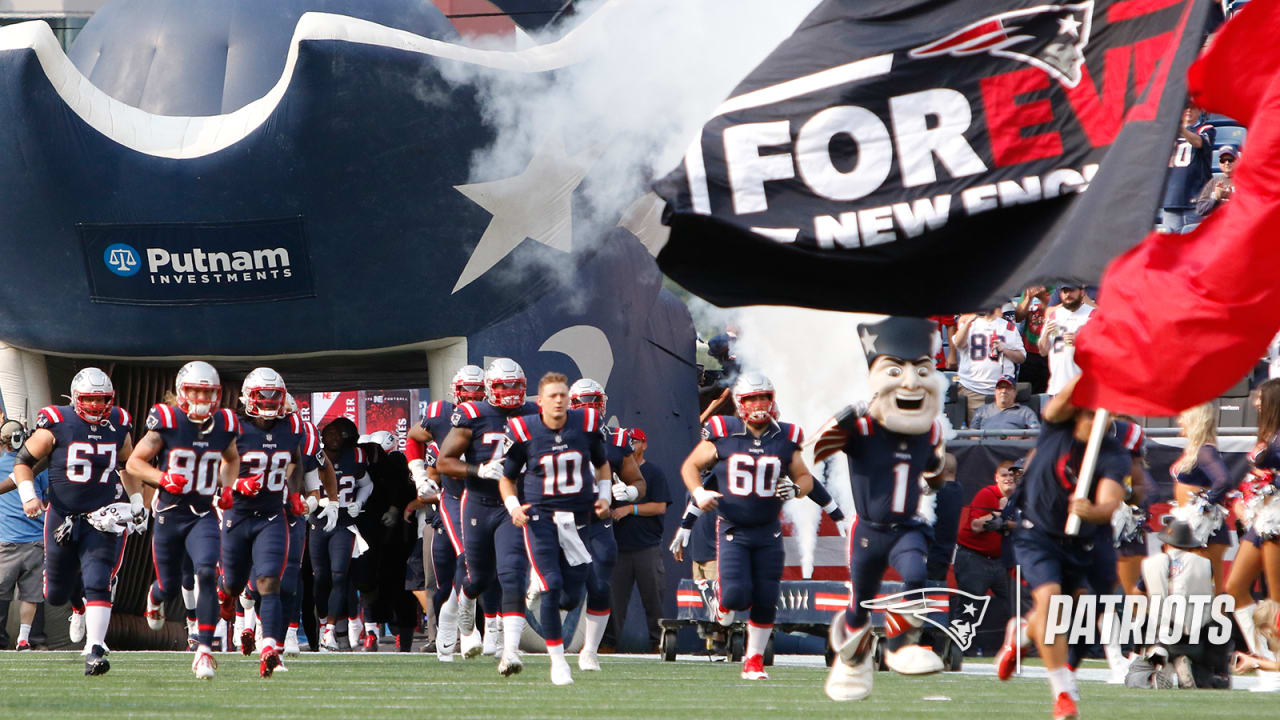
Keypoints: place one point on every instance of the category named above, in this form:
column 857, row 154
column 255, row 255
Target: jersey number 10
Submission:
column 561, row 473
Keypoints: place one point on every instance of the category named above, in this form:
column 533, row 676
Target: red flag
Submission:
column 1181, row 318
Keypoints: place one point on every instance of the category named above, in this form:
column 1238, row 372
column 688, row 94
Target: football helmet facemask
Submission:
column 198, row 374
column 468, row 384
column 504, row 384
column 264, row 394
column 753, row 398
column 92, row 395
column 587, row 393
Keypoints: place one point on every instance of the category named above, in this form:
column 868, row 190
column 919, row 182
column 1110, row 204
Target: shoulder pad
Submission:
column 359, row 456
column 591, row 420
column 310, row 439
column 519, row 429
column 123, row 419
column 48, row 417
column 619, row 437
column 465, row 411
column 716, row 427
column 162, row 417
column 793, row 433
column 230, row 422
column 295, row 424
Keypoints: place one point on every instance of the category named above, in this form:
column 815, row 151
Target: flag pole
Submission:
column 1101, row 421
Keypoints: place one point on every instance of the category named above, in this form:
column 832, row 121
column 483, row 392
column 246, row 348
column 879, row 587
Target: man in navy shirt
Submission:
column 638, row 529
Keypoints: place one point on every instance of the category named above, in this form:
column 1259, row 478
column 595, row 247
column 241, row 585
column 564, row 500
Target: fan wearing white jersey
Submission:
column 1058, row 340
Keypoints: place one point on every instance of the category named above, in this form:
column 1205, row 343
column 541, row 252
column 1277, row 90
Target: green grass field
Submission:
column 352, row 686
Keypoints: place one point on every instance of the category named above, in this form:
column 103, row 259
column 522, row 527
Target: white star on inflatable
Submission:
column 536, row 204
column 969, row 609
column 868, row 340
column 1069, row 26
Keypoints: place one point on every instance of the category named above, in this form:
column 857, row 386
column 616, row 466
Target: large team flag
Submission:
column 1183, row 317
column 920, row 157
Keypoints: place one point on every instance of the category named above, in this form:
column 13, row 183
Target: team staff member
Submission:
column 638, row 529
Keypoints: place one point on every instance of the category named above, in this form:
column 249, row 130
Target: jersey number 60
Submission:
column 748, row 473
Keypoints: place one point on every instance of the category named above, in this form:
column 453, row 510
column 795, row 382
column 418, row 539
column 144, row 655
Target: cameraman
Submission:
column 978, row 566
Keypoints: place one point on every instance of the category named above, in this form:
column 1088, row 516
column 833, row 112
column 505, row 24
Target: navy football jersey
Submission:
column 885, row 468
column 488, row 426
column 1050, row 480
column 350, row 466
column 617, row 448
column 269, row 452
column 436, row 420
column 553, row 468
column 193, row 451
column 748, row 468
column 83, row 467
column 315, row 459
column 1189, row 168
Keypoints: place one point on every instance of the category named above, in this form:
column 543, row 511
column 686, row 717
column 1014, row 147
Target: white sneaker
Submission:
column 154, row 614
column 472, row 644
column 588, row 661
column 560, row 673
column 76, row 631
column 466, row 614
column 852, row 673
column 291, row 642
column 204, row 664
column 1119, row 670
column 509, row 665
column 493, row 636
column 444, row 653
column 913, row 660
column 328, row 643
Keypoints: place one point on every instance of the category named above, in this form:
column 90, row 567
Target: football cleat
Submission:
column 472, row 644
column 77, row 629
column 588, row 661
column 328, row 643
column 1007, row 657
column 354, row 633
column 204, row 665
column 444, row 653
column 248, row 641
column 1065, row 708
column 96, row 663
column 913, row 660
column 493, row 636
column 370, row 642
column 22, row 645
column 291, row 648
column 509, row 665
column 753, row 668
column 193, row 632
column 560, row 672
column 154, row 614
column 853, row 669
column 269, row 660
column 466, row 614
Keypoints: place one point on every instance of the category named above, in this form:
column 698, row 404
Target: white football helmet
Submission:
column 92, row 395
column 198, row 374
column 468, row 384
column 263, row 394
column 290, row 405
column 504, row 384
column 588, row 393
column 383, row 439
column 753, row 385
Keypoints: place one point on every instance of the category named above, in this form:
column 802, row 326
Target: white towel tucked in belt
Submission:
column 114, row 518
column 361, row 546
column 575, row 551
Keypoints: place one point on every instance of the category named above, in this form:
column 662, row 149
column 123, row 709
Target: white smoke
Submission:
column 658, row 71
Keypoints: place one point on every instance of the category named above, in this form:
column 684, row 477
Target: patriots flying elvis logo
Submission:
column 928, row 603
column 1049, row 37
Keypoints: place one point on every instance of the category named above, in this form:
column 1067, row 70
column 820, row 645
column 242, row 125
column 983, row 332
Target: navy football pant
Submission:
column 562, row 584
column 330, row 564
column 872, row 551
column 88, row 555
column 446, row 550
column 291, row 583
column 604, row 558
column 257, row 546
column 494, row 551
column 750, row 565
column 183, row 537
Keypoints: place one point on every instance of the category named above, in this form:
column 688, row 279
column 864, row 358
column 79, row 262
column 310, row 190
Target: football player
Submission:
column 895, row 452
column 332, row 542
column 255, row 529
column 467, row 386
column 91, row 503
column 550, row 458
column 196, row 446
column 1054, row 563
column 494, row 547
column 757, row 465
column 587, row 393
column 317, row 472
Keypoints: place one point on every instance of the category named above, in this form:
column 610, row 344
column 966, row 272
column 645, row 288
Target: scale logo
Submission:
column 122, row 259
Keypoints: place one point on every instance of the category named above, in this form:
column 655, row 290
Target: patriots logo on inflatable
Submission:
column 924, row 605
column 1049, row 37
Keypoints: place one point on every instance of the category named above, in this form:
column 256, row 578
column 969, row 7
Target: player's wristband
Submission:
column 473, row 472
column 604, row 490
column 27, row 490
column 831, row 507
column 635, row 509
column 512, row 503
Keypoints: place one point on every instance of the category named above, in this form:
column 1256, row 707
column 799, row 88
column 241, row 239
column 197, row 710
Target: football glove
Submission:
column 329, row 514
column 249, row 486
column 173, row 483
column 297, row 506
column 137, row 509
column 624, row 493
column 226, row 499
column 390, row 516
column 786, row 490
column 680, row 541
column 354, row 509
column 491, row 470
column 426, row 487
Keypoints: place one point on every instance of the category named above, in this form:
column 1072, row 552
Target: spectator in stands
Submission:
column 989, row 347
column 1189, row 170
column 978, row 564
column 1005, row 413
column 21, row 545
column 1030, row 313
column 1058, row 341
column 1218, row 190
column 638, row 528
